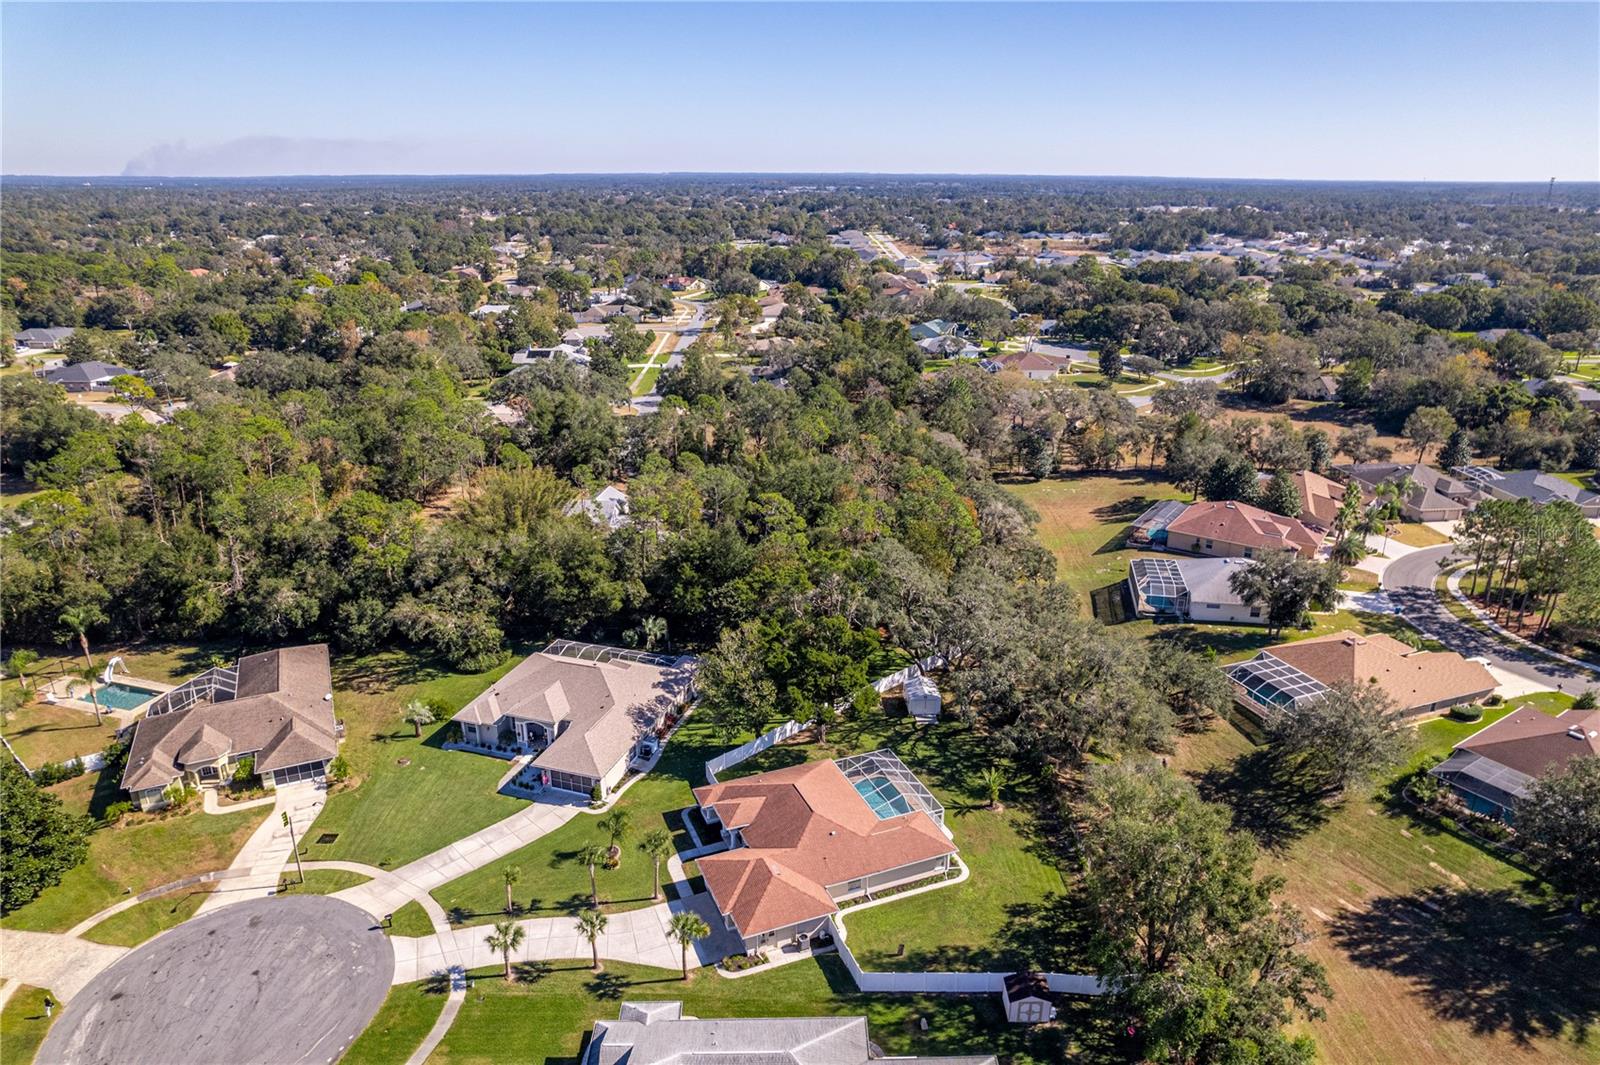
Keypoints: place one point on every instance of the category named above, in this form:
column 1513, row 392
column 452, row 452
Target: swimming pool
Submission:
column 884, row 798
column 120, row 696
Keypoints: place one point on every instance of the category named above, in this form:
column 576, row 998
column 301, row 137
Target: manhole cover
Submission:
column 327, row 837
column 402, row 761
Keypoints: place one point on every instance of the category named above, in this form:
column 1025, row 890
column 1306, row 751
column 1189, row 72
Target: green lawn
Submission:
column 144, row 920
column 411, row 920
column 412, row 797
column 549, row 1012
column 1414, row 534
column 23, row 1025
column 1083, row 520
column 41, row 733
column 1001, row 915
column 318, row 881
column 1438, row 951
column 406, row 1016
column 553, row 880
column 131, row 858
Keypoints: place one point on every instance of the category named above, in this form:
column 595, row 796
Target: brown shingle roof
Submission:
column 279, row 713
column 1319, row 498
column 1534, row 743
column 1410, row 677
column 805, row 828
column 1240, row 523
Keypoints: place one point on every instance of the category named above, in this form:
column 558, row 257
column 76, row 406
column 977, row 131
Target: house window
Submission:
column 1247, row 552
column 1255, row 611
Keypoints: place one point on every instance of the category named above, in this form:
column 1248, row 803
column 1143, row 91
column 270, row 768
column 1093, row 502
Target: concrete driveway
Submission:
column 276, row 981
column 1408, row 580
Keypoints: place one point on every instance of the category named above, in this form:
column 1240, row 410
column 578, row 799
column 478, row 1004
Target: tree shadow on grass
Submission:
column 1492, row 960
column 1266, row 799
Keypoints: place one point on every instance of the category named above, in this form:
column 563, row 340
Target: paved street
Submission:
column 1409, row 582
column 269, row 981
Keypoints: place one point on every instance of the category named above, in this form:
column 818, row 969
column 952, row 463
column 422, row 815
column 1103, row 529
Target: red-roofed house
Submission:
column 1238, row 530
column 803, row 838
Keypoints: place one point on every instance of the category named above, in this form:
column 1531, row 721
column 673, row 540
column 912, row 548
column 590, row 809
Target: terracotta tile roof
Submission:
column 1535, row 743
column 280, row 713
column 1410, row 677
column 806, row 828
column 1240, row 523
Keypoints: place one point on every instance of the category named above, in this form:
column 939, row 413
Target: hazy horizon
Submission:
column 1371, row 92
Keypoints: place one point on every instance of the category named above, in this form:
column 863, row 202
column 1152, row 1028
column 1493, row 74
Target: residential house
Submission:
column 608, row 507
column 659, row 1033
column 1291, row 675
column 572, row 352
column 1034, row 365
column 1495, row 766
column 1588, row 398
column 677, row 283
column 1320, row 499
column 1238, row 529
column 1535, row 486
column 90, row 376
column 806, row 837
column 583, row 711
column 43, row 339
column 275, row 708
column 1434, row 496
column 934, row 327
column 1151, row 526
column 1195, row 589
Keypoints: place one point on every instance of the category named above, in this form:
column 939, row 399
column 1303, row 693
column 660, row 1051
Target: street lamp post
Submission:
column 295, row 844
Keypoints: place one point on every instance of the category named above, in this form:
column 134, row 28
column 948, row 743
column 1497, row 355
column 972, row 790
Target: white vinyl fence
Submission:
column 952, row 983
column 754, row 747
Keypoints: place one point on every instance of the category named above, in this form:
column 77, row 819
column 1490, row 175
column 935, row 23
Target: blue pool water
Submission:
column 884, row 798
column 120, row 696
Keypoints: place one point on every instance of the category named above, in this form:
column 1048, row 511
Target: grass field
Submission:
column 405, row 1017
column 23, row 1025
column 1413, row 534
column 410, row 920
column 553, row 880
column 41, row 733
column 548, row 1013
column 145, row 919
column 1438, row 951
column 132, row 858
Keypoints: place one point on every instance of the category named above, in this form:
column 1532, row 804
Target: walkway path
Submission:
column 269, row 848
column 62, row 964
column 447, row 1017
column 416, row 879
column 638, row 936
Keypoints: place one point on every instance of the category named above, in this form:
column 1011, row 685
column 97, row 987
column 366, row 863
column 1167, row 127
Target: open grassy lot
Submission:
column 144, row 920
column 1083, row 521
column 411, row 796
column 23, row 1025
column 1414, row 534
column 41, row 733
column 1000, row 916
column 130, row 858
column 554, row 880
column 1437, row 950
column 548, row 1013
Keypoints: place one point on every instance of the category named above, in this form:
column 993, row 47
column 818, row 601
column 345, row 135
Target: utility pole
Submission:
column 1550, row 193
column 299, row 871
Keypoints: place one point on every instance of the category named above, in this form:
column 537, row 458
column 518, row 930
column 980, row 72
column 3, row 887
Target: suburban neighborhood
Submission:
column 531, row 583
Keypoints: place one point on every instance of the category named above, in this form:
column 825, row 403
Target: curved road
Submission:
column 1408, row 581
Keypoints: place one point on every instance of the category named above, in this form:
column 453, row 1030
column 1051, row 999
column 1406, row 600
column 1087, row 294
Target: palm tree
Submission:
column 657, row 846
column 510, row 874
column 593, row 855
column 991, row 780
column 654, row 630
column 19, row 662
column 591, row 925
column 88, row 674
column 615, row 825
column 507, row 937
column 687, row 927
column 417, row 714
column 80, row 619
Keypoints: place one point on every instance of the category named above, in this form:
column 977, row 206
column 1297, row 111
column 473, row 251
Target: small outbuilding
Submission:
column 1028, row 998
column 923, row 699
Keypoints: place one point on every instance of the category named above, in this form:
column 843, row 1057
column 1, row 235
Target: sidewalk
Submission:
column 60, row 964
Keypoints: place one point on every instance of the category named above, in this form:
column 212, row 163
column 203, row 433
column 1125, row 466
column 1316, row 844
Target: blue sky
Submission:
column 1270, row 90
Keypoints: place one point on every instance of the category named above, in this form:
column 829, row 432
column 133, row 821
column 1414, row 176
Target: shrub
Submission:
column 1494, row 700
column 338, row 769
column 594, row 794
column 115, row 811
column 177, row 794
column 1588, row 700
column 1467, row 712
column 736, row 963
column 244, row 770
column 55, row 772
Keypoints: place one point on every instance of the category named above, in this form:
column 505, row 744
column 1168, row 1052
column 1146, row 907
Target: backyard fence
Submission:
column 951, row 983
column 747, row 750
